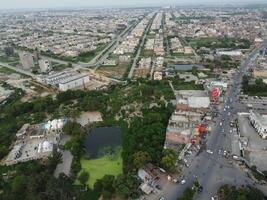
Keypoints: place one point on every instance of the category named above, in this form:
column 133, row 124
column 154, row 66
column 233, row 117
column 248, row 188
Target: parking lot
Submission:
column 255, row 149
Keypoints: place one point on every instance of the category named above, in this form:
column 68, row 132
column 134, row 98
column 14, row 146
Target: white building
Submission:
column 74, row 82
column 234, row 53
column 259, row 122
column 45, row 65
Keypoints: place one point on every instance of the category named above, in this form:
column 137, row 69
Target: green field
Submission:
column 97, row 168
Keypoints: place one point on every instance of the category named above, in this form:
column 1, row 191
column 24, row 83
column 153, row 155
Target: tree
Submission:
column 168, row 160
column 141, row 158
column 83, row 177
column 72, row 128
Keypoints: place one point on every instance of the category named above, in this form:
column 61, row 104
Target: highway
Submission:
column 214, row 170
column 101, row 57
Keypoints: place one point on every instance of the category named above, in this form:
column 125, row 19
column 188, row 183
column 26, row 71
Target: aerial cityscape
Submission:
column 147, row 100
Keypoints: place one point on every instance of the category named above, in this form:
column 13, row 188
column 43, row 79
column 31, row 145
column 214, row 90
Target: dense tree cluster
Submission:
column 227, row 192
column 33, row 180
column 257, row 89
column 124, row 186
column 223, row 42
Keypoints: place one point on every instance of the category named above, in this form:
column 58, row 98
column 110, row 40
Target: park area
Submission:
column 98, row 168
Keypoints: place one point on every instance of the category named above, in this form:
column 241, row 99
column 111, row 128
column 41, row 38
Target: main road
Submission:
column 213, row 170
column 141, row 46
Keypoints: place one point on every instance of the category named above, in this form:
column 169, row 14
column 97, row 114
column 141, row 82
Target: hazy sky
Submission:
column 18, row 4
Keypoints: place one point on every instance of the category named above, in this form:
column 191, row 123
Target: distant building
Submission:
column 259, row 122
column 26, row 60
column 234, row 53
column 74, row 82
column 45, row 65
column 158, row 76
column 35, row 141
column 259, row 73
column 9, row 51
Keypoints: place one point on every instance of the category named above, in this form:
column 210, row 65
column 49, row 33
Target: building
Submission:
column 74, row 82
column 234, row 53
column 259, row 73
column 9, row 51
column 45, row 65
column 35, row 141
column 259, row 122
column 157, row 76
column 26, row 60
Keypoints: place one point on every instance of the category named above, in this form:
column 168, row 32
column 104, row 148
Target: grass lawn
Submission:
column 97, row 168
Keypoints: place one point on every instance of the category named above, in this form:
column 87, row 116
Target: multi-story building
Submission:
column 259, row 122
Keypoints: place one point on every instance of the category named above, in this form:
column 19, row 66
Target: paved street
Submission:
column 214, row 170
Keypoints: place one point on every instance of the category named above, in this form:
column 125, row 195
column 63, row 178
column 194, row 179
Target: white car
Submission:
column 209, row 151
column 183, row 182
column 221, row 124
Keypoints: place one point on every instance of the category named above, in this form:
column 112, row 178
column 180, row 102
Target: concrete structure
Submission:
column 259, row 122
column 26, row 60
column 158, row 76
column 74, row 82
column 35, row 142
column 234, row 53
column 218, row 84
column 66, row 80
column 258, row 73
column 45, row 65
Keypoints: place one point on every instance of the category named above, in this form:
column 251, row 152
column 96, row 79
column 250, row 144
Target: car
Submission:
column 209, row 151
column 174, row 180
column 221, row 124
column 161, row 198
column 235, row 157
column 229, row 113
column 183, row 182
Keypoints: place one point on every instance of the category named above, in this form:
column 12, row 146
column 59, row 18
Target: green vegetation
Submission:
column 98, row 168
column 187, row 195
column 168, row 160
column 257, row 89
column 60, row 67
column 259, row 176
column 224, row 42
column 179, row 84
column 141, row 158
column 142, row 112
column 227, row 192
column 9, row 59
column 33, row 180
column 147, row 53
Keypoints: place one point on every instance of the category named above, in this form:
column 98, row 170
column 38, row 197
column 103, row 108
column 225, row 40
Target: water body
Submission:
column 183, row 67
column 100, row 139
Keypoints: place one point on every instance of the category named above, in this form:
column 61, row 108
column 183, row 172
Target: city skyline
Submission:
column 37, row 4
